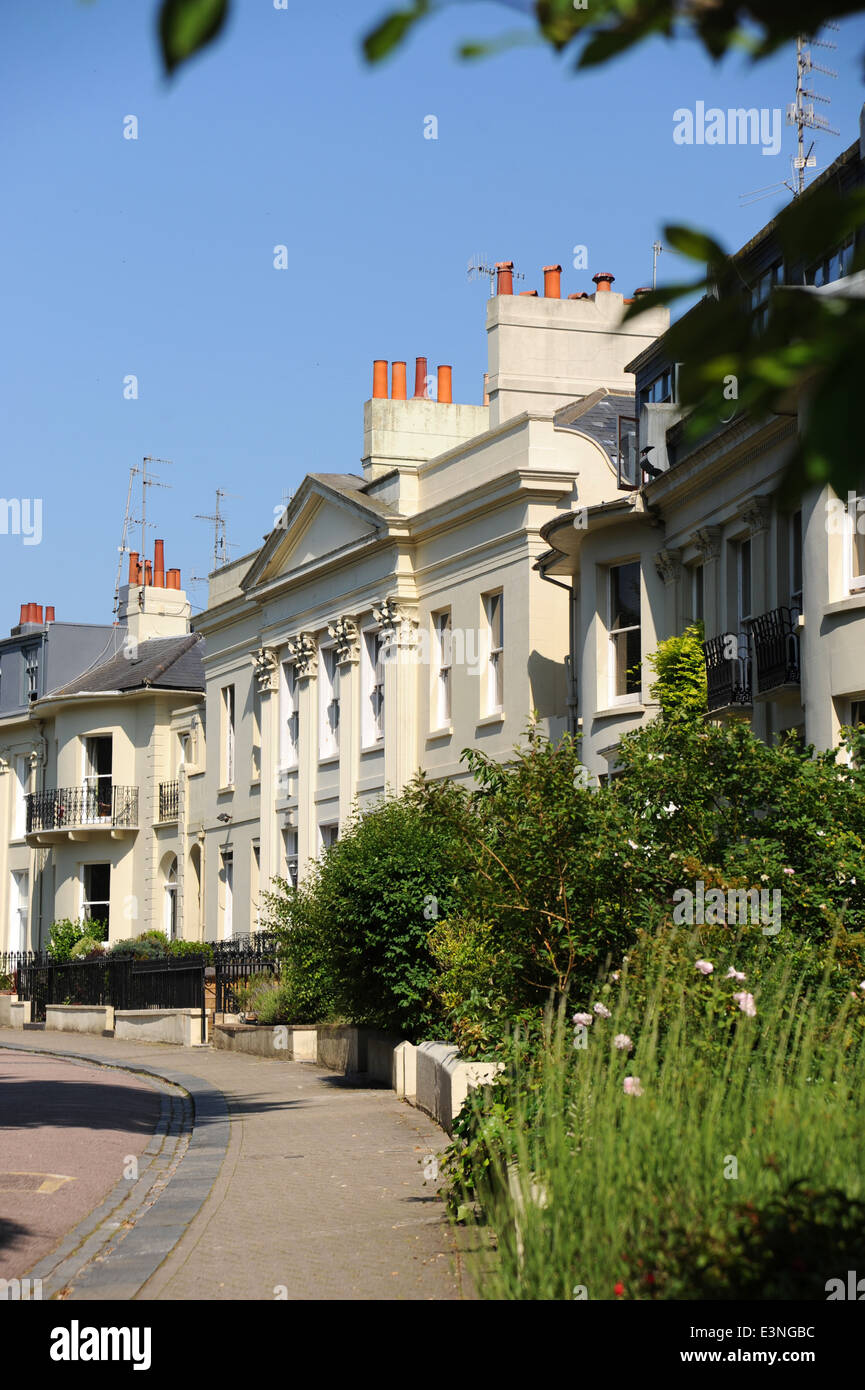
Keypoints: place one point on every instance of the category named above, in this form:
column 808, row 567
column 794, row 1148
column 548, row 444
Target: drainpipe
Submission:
column 572, row 700
column 43, row 763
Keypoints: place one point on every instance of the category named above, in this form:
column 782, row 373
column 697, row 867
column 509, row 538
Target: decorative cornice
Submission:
column 303, row 651
column 757, row 513
column 668, row 563
column 347, row 638
column 266, row 669
column 708, row 542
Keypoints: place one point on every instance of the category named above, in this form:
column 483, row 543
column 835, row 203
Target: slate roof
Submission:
column 163, row 663
column 599, row 418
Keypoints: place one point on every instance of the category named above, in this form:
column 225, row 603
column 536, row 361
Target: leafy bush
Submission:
column 364, row 912
column 7, row 983
column 201, row 950
column 680, row 669
column 85, row 946
column 64, row 935
column 139, row 947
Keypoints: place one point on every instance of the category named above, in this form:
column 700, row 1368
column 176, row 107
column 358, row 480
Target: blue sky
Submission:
column 154, row 257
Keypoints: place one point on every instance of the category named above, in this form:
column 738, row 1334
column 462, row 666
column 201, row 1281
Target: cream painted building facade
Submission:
column 718, row 535
column 97, row 788
column 395, row 617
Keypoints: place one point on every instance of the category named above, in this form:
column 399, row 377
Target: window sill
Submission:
column 330, row 759
column 227, row 790
column 854, row 600
column 373, row 747
column 613, row 710
column 489, row 719
column 446, row 731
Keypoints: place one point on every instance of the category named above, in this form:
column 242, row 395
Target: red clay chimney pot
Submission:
column 504, row 277
column 398, row 385
column 603, row 280
column 552, row 282
column 49, row 615
column 444, row 390
column 159, row 565
column 148, row 572
column 379, row 379
column 420, row 378
column 528, row 294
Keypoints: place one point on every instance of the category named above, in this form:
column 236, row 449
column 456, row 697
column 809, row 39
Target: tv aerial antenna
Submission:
column 802, row 114
column 221, row 545
column 482, row 265
column 147, row 480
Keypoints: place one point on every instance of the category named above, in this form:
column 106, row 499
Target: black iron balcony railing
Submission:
column 728, row 670
column 169, row 800
column 70, row 808
column 776, row 649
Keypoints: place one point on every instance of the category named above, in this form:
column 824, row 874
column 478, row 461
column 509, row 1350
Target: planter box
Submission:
column 19, row 1013
column 444, row 1080
column 281, row 1042
column 6, row 1002
column 179, row 1026
column 80, row 1018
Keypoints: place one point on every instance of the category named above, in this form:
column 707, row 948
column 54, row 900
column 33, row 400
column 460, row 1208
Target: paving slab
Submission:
column 320, row 1193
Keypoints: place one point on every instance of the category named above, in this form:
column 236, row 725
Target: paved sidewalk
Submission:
column 321, row 1194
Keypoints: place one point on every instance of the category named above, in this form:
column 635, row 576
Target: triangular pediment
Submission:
column 319, row 524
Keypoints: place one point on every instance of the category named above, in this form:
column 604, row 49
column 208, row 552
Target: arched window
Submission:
column 171, row 899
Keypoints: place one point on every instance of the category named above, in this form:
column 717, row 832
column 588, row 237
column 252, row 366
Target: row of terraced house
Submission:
column 491, row 563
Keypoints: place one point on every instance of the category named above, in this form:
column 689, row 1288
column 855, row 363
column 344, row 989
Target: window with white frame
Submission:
column 22, row 786
column 228, row 736
column 328, row 834
column 31, row 673
column 440, row 712
column 289, row 855
column 372, row 683
column 256, row 731
column 855, row 557
column 624, row 629
column 170, row 904
column 289, row 716
column 19, row 901
column 96, row 898
column 255, row 885
column 328, row 704
column 226, row 875
column 493, row 612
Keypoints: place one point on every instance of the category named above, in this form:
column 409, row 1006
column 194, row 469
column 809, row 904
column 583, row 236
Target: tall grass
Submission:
column 737, row 1172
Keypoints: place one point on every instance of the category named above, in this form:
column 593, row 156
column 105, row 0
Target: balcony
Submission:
column 776, row 655
column 169, row 801
column 80, row 813
column 728, row 672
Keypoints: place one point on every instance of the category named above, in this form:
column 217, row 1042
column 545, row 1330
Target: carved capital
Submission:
column 708, row 542
column 396, row 623
column 303, row 651
column 347, row 638
column 266, row 669
column 668, row 563
column 757, row 514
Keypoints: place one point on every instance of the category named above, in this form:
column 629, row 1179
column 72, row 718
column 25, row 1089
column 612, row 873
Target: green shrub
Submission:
column 360, row 922
column 85, row 946
column 680, row 670
column 64, row 935
column 201, row 950
column 139, row 947
column 7, row 983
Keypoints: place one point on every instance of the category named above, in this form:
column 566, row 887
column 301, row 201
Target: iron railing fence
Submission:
column 66, row 808
column 776, row 648
column 169, row 800
column 237, row 960
column 728, row 670
column 121, row 981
